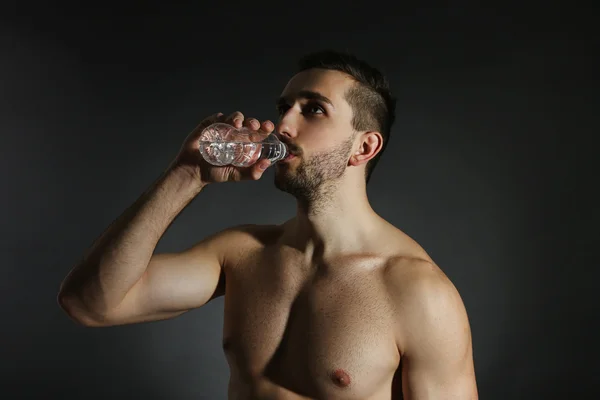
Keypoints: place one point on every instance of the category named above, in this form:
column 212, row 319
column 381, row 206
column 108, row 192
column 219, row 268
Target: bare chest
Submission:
column 319, row 331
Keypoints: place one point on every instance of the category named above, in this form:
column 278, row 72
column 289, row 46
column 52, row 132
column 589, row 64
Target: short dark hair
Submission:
column 373, row 106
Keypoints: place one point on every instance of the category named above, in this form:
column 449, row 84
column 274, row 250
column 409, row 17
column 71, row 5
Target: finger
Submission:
column 218, row 117
column 236, row 119
column 254, row 172
column 267, row 126
column 259, row 169
column 252, row 123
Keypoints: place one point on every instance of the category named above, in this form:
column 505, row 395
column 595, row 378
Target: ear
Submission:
column 369, row 145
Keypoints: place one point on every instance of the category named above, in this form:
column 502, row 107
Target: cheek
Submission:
column 317, row 140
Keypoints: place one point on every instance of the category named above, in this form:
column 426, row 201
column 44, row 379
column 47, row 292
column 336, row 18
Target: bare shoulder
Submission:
column 426, row 303
column 250, row 233
column 409, row 270
column 432, row 329
column 236, row 241
column 409, row 274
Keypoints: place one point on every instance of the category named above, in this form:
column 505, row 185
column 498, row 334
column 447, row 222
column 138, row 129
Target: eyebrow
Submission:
column 305, row 94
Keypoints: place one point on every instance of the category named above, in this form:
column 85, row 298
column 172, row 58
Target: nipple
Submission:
column 340, row 378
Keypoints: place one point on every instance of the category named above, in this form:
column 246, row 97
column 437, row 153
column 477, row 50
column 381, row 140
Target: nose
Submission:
column 286, row 126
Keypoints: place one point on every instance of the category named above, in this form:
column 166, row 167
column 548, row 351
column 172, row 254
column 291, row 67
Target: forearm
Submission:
column 120, row 256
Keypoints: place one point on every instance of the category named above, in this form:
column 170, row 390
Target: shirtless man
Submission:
column 335, row 303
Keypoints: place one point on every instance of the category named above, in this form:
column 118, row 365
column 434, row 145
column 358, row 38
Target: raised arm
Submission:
column 121, row 280
column 171, row 284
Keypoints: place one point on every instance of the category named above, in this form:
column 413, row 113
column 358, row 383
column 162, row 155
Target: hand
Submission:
column 191, row 161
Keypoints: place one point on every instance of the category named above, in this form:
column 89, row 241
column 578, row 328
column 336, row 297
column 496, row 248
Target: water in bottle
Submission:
column 223, row 144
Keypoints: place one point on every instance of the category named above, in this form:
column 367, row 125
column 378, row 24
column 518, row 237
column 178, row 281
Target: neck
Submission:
column 337, row 219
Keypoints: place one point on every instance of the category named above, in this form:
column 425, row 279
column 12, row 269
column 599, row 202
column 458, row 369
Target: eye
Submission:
column 314, row 109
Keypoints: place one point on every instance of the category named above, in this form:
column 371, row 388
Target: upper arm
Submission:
column 437, row 355
column 174, row 283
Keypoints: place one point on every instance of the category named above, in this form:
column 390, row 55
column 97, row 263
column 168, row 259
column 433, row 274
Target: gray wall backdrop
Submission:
column 490, row 167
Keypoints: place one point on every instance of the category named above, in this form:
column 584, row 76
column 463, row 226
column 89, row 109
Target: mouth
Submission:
column 289, row 157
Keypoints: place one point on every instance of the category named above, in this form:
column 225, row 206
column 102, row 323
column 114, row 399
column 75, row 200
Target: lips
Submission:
column 291, row 152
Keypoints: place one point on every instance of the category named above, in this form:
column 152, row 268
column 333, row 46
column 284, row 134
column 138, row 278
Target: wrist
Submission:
column 185, row 178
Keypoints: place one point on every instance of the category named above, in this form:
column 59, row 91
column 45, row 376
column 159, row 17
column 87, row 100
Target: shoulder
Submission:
column 233, row 243
column 250, row 232
column 413, row 276
column 425, row 301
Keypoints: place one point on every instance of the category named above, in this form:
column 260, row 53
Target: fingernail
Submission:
column 264, row 165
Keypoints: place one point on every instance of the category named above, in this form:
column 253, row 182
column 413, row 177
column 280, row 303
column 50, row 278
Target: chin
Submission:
column 285, row 178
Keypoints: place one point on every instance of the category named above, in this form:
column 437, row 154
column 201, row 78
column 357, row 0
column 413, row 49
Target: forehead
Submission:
column 329, row 83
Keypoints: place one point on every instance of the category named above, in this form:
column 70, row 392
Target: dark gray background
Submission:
column 490, row 167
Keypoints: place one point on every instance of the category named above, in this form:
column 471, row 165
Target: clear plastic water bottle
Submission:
column 223, row 144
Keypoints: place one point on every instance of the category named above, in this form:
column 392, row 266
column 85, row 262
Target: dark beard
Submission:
column 315, row 179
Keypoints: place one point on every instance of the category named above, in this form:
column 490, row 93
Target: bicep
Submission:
column 442, row 373
column 174, row 283
column 438, row 360
column 177, row 282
